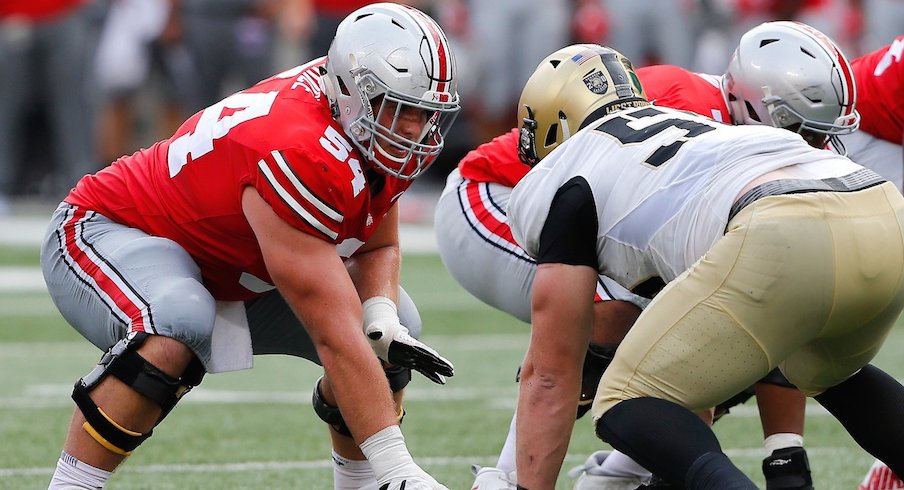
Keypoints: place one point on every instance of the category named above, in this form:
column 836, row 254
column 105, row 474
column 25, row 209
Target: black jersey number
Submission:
column 618, row 127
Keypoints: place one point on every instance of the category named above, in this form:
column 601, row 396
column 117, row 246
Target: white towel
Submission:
column 230, row 343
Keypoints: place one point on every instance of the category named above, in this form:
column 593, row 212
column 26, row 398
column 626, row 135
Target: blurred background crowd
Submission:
column 83, row 82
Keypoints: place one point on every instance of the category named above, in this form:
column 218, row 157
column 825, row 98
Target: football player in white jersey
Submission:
column 812, row 92
column 772, row 254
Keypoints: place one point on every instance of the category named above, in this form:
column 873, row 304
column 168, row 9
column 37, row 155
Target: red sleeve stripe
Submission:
column 487, row 219
column 293, row 203
column 306, row 193
column 102, row 277
column 442, row 62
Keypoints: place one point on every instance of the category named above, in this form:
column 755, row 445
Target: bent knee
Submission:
column 604, row 401
column 167, row 354
column 185, row 311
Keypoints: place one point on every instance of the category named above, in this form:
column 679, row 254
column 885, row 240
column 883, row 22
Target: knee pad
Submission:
column 596, row 361
column 328, row 413
column 333, row 417
column 124, row 362
column 398, row 377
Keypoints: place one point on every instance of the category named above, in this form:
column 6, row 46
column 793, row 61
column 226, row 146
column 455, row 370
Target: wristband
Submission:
column 387, row 453
column 379, row 308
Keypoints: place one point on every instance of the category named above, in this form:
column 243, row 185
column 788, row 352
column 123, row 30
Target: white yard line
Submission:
column 739, row 453
column 21, row 279
column 23, row 231
column 28, row 231
column 499, row 398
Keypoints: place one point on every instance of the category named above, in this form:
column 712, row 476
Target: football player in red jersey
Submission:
column 878, row 145
column 266, row 224
column 880, row 81
column 472, row 222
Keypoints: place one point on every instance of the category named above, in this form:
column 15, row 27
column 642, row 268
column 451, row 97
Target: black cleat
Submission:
column 788, row 469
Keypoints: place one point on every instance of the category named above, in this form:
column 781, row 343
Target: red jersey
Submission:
column 665, row 85
column 278, row 137
column 37, row 10
column 773, row 7
column 880, row 86
column 495, row 161
column 340, row 7
column 675, row 87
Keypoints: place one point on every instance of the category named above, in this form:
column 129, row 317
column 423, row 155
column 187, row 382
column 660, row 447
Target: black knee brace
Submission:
column 124, row 362
column 398, row 378
column 328, row 413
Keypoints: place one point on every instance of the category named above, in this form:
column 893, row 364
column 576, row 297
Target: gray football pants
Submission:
column 107, row 279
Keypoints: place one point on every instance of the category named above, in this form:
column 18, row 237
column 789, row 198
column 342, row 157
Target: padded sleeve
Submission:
column 570, row 232
column 307, row 193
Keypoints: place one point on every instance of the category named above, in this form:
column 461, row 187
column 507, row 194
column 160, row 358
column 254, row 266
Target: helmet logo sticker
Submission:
column 596, row 82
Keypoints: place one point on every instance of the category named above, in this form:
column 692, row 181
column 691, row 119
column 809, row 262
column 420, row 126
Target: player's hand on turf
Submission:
column 393, row 344
column 414, row 483
column 392, row 464
column 407, row 476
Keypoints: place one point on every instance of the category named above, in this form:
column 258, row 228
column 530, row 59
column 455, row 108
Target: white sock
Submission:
column 350, row 474
column 618, row 464
column 72, row 474
column 782, row 440
column 506, row 460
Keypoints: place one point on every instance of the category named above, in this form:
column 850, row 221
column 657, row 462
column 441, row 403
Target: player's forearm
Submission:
column 561, row 312
column 376, row 272
column 546, row 411
column 360, row 387
column 375, row 267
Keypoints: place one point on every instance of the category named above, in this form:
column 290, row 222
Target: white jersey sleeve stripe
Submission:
column 293, row 203
column 304, row 191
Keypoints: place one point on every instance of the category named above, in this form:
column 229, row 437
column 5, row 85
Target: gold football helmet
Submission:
column 569, row 89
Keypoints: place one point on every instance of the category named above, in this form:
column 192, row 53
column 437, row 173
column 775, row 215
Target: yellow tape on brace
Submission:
column 105, row 443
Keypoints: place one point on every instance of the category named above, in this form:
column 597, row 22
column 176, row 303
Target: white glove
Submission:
column 392, row 343
column 392, row 463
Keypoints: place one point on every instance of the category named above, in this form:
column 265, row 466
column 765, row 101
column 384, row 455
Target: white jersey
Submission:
column 663, row 182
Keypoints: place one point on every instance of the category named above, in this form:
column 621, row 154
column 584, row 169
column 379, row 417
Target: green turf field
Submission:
column 256, row 428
